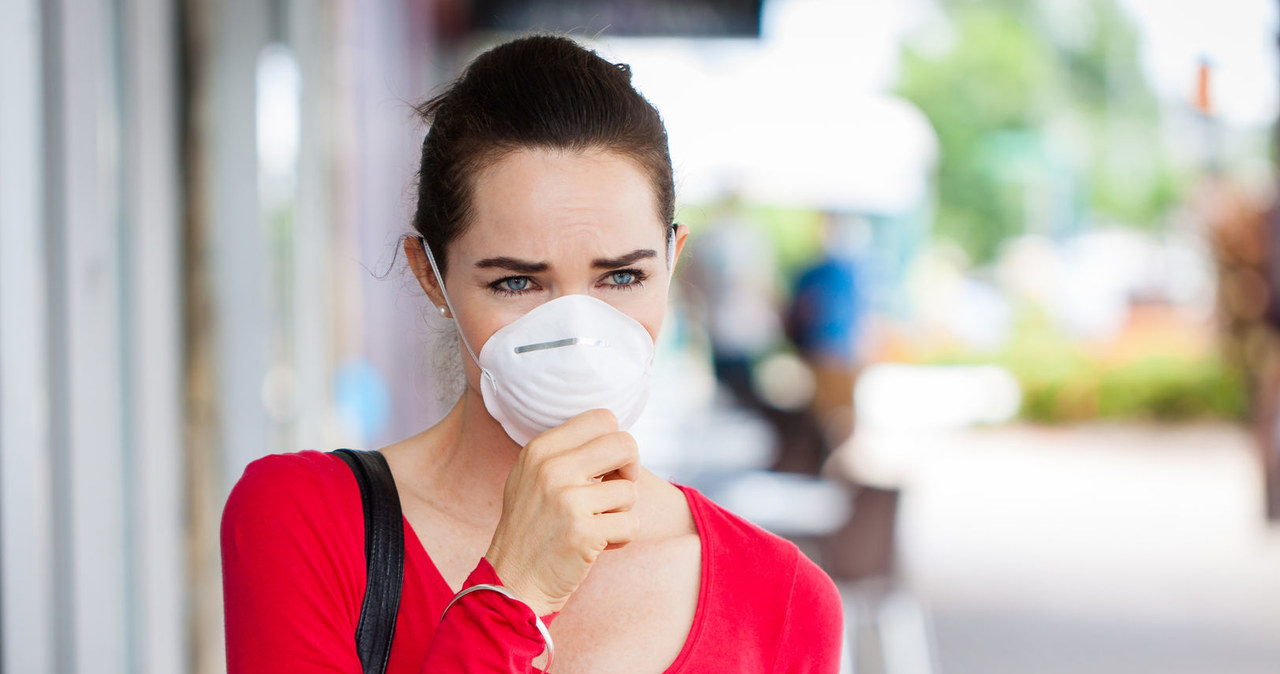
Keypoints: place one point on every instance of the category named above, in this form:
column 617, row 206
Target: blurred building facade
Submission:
column 201, row 203
column 91, row 397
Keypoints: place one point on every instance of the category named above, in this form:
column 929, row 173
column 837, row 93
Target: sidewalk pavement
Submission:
column 1095, row 549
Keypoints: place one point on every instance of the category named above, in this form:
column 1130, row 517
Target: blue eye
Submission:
column 624, row 279
column 512, row 286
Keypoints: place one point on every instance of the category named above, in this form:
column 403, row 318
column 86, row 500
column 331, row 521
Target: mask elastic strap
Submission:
column 440, row 282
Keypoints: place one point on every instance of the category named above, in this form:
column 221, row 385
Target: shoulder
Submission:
column 815, row 601
column 820, row 271
column 294, row 518
column 293, row 565
column 287, row 477
column 286, row 486
column 731, row 534
column 293, row 468
column 812, row 635
column 760, row 574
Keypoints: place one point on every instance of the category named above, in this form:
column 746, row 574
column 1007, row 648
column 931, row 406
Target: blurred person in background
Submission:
column 546, row 232
column 1244, row 239
column 825, row 322
column 1268, row 427
column 1244, row 236
column 734, row 276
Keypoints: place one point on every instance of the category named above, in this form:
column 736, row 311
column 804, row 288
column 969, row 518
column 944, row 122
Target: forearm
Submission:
column 485, row 631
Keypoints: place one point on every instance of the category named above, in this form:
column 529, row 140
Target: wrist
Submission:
column 516, row 581
column 543, row 633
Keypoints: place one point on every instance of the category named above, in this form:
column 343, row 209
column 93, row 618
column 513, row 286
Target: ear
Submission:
column 681, row 235
column 416, row 253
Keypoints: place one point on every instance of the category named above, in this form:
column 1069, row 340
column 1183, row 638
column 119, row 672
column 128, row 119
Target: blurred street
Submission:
column 1093, row 549
column 980, row 304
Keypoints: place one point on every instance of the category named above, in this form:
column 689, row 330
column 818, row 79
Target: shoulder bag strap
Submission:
column 384, row 557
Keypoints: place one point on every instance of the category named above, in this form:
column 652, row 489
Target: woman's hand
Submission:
column 567, row 499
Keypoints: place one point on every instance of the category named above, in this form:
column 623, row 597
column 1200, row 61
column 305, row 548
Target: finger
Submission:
column 578, row 430
column 605, row 497
column 630, row 471
column 585, row 464
column 608, row 453
column 627, row 471
column 618, row 529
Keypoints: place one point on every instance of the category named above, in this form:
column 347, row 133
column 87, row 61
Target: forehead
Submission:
column 531, row 200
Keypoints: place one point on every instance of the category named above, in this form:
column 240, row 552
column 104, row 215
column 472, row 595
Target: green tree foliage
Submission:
column 1043, row 117
column 1063, row 381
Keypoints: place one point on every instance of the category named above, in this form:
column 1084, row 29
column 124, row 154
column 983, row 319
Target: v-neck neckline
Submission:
column 705, row 570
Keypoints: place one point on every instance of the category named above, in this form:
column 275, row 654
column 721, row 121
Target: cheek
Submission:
column 480, row 328
column 479, row 315
column 476, row 333
column 651, row 315
column 648, row 306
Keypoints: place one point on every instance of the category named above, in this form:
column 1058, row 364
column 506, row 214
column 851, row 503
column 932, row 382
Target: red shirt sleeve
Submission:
column 813, row 631
column 294, row 579
column 292, row 569
column 485, row 632
column 768, row 607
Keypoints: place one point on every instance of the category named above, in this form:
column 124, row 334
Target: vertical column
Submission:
column 394, row 339
column 152, row 286
column 309, row 34
column 89, row 398
column 26, row 509
column 235, row 233
column 225, row 291
column 90, row 536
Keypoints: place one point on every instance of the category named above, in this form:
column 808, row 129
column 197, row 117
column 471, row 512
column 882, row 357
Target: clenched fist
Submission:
column 567, row 499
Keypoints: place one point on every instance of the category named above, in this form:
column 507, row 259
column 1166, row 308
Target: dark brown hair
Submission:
column 536, row 92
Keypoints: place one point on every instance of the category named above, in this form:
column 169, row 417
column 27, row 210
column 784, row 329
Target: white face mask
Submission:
column 564, row 357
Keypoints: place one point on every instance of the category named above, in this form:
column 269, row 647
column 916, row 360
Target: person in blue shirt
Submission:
column 825, row 323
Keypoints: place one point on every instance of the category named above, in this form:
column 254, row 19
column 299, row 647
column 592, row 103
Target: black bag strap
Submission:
column 383, row 554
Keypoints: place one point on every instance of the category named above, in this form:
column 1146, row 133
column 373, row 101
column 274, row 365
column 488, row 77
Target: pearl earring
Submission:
column 444, row 311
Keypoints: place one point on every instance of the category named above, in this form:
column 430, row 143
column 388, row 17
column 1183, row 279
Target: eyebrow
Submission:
column 623, row 260
column 512, row 264
column 527, row 267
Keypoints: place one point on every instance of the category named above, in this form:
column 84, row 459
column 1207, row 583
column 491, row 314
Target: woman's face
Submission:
column 551, row 223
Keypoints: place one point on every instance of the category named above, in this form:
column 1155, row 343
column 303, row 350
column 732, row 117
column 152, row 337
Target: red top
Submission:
column 294, row 577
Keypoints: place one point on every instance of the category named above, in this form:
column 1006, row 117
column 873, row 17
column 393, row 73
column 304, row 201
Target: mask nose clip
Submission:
column 561, row 343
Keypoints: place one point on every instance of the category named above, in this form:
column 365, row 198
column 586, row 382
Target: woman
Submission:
column 545, row 209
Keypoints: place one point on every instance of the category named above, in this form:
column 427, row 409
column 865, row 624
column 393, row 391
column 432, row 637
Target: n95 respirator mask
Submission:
column 564, row 357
